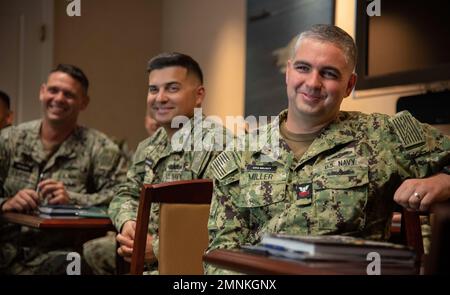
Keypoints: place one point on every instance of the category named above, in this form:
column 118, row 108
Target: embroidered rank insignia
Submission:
column 407, row 130
column 303, row 191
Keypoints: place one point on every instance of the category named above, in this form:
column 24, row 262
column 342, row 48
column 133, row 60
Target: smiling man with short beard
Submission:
column 53, row 160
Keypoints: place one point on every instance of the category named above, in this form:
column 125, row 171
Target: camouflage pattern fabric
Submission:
column 87, row 162
column 343, row 184
column 100, row 254
column 156, row 161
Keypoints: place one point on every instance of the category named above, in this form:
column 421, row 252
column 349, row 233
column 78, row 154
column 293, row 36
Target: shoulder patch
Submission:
column 199, row 160
column 407, row 129
column 223, row 165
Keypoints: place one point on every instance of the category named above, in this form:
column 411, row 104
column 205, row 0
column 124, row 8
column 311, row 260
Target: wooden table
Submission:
column 78, row 231
column 243, row 262
column 65, row 223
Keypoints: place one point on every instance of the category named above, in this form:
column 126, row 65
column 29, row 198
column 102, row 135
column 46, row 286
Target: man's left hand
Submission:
column 420, row 194
column 54, row 191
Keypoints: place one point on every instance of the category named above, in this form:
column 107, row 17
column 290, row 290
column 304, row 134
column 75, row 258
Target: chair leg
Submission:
column 412, row 232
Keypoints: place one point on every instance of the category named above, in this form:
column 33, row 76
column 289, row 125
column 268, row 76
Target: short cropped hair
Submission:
column 74, row 72
column 5, row 98
column 171, row 59
column 334, row 35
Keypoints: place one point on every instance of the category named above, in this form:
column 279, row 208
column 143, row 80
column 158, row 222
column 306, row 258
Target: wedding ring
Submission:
column 417, row 195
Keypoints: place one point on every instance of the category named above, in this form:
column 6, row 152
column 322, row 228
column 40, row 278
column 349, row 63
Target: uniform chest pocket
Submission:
column 20, row 177
column 176, row 175
column 261, row 193
column 340, row 198
column 140, row 168
column 261, row 189
column 20, row 174
column 72, row 178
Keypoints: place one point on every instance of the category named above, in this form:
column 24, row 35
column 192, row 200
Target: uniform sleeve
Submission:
column 228, row 226
column 206, row 172
column 214, row 142
column 124, row 205
column 420, row 149
column 5, row 155
column 108, row 169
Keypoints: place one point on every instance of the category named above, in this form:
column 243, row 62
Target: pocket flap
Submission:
column 341, row 178
column 260, row 193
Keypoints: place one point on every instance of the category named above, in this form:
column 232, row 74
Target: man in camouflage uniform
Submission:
column 55, row 161
column 100, row 253
column 330, row 171
column 175, row 89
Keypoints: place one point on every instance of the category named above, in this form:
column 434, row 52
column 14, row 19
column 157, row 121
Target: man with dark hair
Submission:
column 175, row 89
column 76, row 73
column 330, row 171
column 5, row 110
column 53, row 160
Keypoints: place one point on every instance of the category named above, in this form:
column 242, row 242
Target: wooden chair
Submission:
column 183, row 235
column 438, row 261
column 409, row 231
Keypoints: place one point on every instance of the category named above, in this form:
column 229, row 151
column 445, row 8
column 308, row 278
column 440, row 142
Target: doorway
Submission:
column 26, row 53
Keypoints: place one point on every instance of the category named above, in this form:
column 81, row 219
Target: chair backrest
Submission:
column 182, row 244
column 411, row 231
column 183, row 235
column 408, row 232
column 438, row 261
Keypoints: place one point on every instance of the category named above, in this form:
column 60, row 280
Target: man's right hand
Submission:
column 25, row 200
column 126, row 241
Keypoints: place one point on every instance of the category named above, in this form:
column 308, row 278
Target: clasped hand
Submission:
column 126, row 241
column 50, row 191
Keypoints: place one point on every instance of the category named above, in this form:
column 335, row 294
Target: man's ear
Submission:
column 200, row 95
column 288, row 65
column 351, row 84
column 85, row 103
column 10, row 118
column 42, row 91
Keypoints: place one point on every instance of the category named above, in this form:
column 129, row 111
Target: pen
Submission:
column 41, row 198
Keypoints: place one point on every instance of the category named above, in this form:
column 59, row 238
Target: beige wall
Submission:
column 217, row 40
column 213, row 32
column 112, row 42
